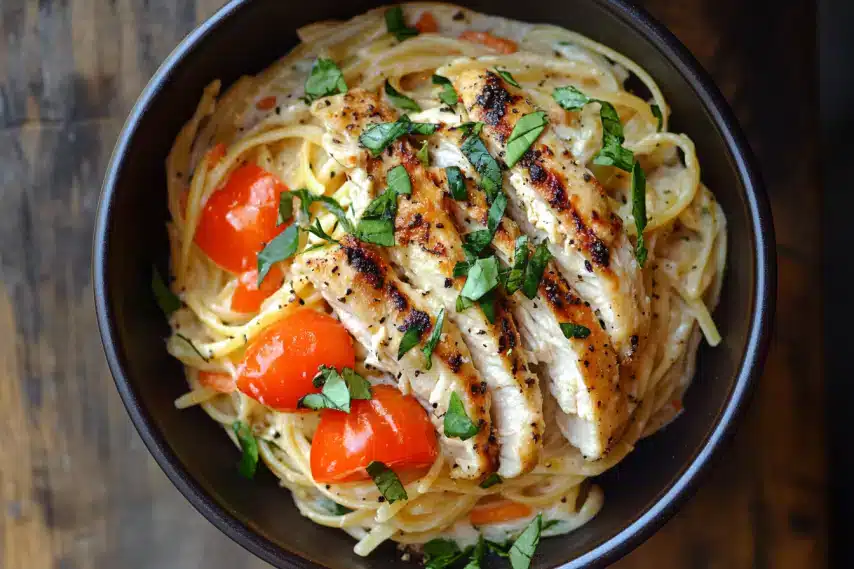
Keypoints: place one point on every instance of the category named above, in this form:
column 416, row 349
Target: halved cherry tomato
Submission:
column 240, row 218
column 248, row 296
column 216, row 154
column 266, row 103
column 390, row 427
column 279, row 365
column 493, row 512
column 426, row 24
column 496, row 43
column 221, row 382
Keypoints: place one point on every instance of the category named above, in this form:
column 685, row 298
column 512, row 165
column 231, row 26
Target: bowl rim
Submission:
column 656, row 514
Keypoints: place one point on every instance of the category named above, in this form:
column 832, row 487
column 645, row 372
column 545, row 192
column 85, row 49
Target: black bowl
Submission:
column 246, row 36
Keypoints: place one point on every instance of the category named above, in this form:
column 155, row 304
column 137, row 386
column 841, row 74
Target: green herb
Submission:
column 423, row 154
column 470, row 128
column 397, row 25
column 409, row 340
column 656, row 112
column 485, row 164
column 456, row 183
column 526, row 131
column 248, row 464
column 570, row 98
column 535, row 269
column 384, row 206
column 441, row 553
column 377, row 137
column 477, row 554
column 571, row 330
column 482, row 278
column 325, row 79
column 639, row 210
column 491, row 480
column 522, row 550
column 463, row 303
column 338, row 389
column 476, row 241
column 449, row 94
column 520, row 262
column 387, row 482
column 500, row 549
column 487, row 305
column 550, row 524
column 306, row 198
column 192, row 345
column 507, row 77
column 457, row 422
column 615, row 155
column 286, row 207
column 334, row 508
column 423, row 128
column 376, row 231
column 283, row 246
column 400, row 100
column 433, row 340
column 496, row 212
column 377, row 222
column 398, row 180
column 167, row 300
column 317, row 231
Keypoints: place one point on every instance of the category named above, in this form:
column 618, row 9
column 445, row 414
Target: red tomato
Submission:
column 240, row 218
column 221, row 382
column 266, row 103
column 495, row 43
column 280, row 363
column 494, row 512
column 248, row 296
column 391, row 427
column 426, row 24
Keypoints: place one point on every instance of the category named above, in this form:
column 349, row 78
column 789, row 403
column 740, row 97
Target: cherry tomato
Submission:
column 426, row 24
column 280, row 364
column 240, row 218
column 390, row 427
column 266, row 103
column 494, row 512
column 495, row 43
column 248, row 296
column 221, row 382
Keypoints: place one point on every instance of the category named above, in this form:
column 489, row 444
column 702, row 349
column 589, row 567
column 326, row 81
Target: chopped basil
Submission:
column 433, row 340
column 522, row 550
column 457, row 423
column 325, row 79
column 248, row 464
column 286, row 207
column 463, row 303
column 477, row 554
column 482, row 278
column 400, row 100
column 535, row 269
column 306, row 198
column 167, row 300
column 449, row 94
column 496, row 212
column 384, row 206
column 376, row 231
column 520, row 262
column 398, row 180
column 656, row 112
column 491, row 480
column 283, row 246
column 485, row 164
column 470, row 128
column 487, row 305
column 456, row 183
column 526, row 131
column 192, row 345
column 571, row 330
column 377, row 222
column 317, row 231
column 507, row 77
column 550, row 524
column 423, row 154
column 397, row 25
column 423, row 128
column 409, row 340
column 334, row 508
column 387, row 482
column 615, row 155
column 570, row 98
column 377, row 137
column 441, row 553
column 500, row 549
column 476, row 241
column 338, row 389
column 639, row 210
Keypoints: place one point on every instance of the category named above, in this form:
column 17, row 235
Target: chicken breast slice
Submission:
column 377, row 308
column 427, row 248
column 553, row 196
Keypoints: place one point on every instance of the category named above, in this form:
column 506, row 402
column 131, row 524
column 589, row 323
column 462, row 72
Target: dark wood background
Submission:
column 78, row 489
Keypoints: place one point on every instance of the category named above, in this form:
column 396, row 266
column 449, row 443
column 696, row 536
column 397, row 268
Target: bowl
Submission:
column 247, row 35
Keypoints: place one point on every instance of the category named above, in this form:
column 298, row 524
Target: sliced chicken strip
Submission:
column 428, row 247
column 553, row 196
column 377, row 308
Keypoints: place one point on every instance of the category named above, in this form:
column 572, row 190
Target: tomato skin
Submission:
column 498, row 511
column 390, row 427
column 427, row 24
column 266, row 103
column 280, row 364
column 221, row 382
column 240, row 218
column 248, row 296
column 496, row 43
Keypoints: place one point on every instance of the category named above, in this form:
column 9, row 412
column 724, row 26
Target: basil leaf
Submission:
column 550, row 524
column 376, row 231
column 192, row 345
column 571, row 330
column 400, row 100
column 440, row 553
column 482, row 278
column 485, row 164
column 570, row 98
column 522, row 550
column 398, row 180
column 507, row 77
column 286, row 207
column 487, row 305
column 526, row 131
column 520, row 263
column 476, row 241
column 396, row 25
column 501, row 550
column 317, row 231
column 456, row 183
column 491, row 480
column 423, row 154
column 167, row 300
column 535, row 269
column 448, row 95
column 377, row 137
column 457, row 423
column 470, row 128
column 387, row 482
column 463, row 303
column 656, row 112
column 334, row 508
column 423, row 128
column 338, row 390
column 433, row 340
column 325, row 79
column 283, row 246
column 409, row 340
column 639, row 210
column 496, row 212
column 615, row 155
column 359, row 387
column 477, row 554
column 248, row 464
column 377, row 222
column 306, row 198
column 335, row 209
column 384, row 206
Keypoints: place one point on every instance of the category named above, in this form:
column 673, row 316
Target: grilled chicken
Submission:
column 377, row 308
column 427, row 248
column 555, row 197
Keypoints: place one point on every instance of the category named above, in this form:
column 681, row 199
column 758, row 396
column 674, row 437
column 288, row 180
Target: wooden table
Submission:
column 78, row 489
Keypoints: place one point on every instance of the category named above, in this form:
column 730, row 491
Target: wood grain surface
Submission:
column 78, row 489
